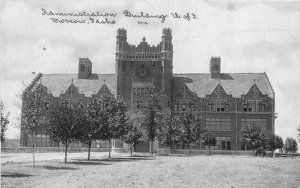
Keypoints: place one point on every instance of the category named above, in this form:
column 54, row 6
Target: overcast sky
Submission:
column 249, row 37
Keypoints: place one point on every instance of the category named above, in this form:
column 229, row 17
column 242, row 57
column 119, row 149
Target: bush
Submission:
column 260, row 152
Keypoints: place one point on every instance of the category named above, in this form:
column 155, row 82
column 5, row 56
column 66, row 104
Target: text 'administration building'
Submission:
column 225, row 102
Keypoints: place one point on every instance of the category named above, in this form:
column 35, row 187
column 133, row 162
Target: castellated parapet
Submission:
column 144, row 51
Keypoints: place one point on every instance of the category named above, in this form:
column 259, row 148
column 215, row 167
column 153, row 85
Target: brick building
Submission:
column 224, row 102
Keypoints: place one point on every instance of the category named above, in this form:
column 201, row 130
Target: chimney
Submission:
column 84, row 68
column 215, row 67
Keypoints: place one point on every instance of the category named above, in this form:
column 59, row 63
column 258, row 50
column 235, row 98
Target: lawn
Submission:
column 157, row 171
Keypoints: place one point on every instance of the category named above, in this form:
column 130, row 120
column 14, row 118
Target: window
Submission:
column 139, row 95
column 153, row 64
column 216, row 124
column 227, row 108
column 209, row 107
column 131, row 64
column 223, row 143
column 245, row 107
column 263, row 107
column 262, row 123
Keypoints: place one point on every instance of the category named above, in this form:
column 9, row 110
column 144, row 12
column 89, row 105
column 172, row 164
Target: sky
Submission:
column 248, row 36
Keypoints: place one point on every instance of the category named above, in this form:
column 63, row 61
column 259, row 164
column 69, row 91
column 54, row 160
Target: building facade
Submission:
column 225, row 103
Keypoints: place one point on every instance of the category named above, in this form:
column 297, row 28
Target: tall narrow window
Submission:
column 227, row 107
column 153, row 64
column 131, row 64
column 245, row 107
column 209, row 107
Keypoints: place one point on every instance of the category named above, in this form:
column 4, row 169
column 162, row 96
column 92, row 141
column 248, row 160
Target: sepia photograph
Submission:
column 147, row 93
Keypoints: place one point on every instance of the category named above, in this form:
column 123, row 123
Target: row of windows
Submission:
column 218, row 107
column 216, row 124
column 141, row 91
column 184, row 105
column 223, row 143
column 139, row 94
column 254, row 107
column 262, row 123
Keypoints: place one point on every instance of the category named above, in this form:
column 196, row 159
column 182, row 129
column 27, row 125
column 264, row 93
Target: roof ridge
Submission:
column 76, row 74
column 227, row 73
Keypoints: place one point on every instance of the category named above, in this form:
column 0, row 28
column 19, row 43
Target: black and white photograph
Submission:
column 146, row 94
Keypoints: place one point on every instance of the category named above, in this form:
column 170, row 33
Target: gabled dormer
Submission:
column 184, row 92
column 104, row 91
column 72, row 90
column 254, row 92
column 219, row 92
column 41, row 89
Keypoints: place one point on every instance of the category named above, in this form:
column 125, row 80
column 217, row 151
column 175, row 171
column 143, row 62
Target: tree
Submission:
column 3, row 120
column 253, row 137
column 169, row 131
column 209, row 139
column 114, row 119
column 275, row 142
column 187, row 131
column 92, row 130
column 33, row 113
column 65, row 125
column 151, row 107
column 290, row 145
column 133, row 136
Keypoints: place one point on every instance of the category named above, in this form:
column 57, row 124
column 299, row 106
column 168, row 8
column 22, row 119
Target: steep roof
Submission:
column 59, row 83
column 234, row 84
column 202, row 84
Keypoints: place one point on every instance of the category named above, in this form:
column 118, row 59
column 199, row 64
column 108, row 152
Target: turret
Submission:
column 121, row 39
column 167, row 40
column 121, row 34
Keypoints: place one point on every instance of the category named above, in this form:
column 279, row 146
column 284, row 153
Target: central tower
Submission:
column 143, row 68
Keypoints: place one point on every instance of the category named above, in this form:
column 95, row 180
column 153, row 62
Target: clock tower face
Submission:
column 143, row 72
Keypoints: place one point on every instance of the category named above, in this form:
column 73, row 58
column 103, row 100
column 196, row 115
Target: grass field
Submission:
column 157, row 171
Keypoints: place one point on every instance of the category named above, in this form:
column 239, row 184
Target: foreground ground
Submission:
column 148, row 171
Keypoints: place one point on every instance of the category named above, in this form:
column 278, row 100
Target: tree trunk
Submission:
column 170, row 149
column 209, row 149
column 89, row 151
column 190, row 149
column 109, row 148
column 253, row 152
column 131, row 150
column 273, row 153
column 151, row 147
column 66, row 151
column 33, row 156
